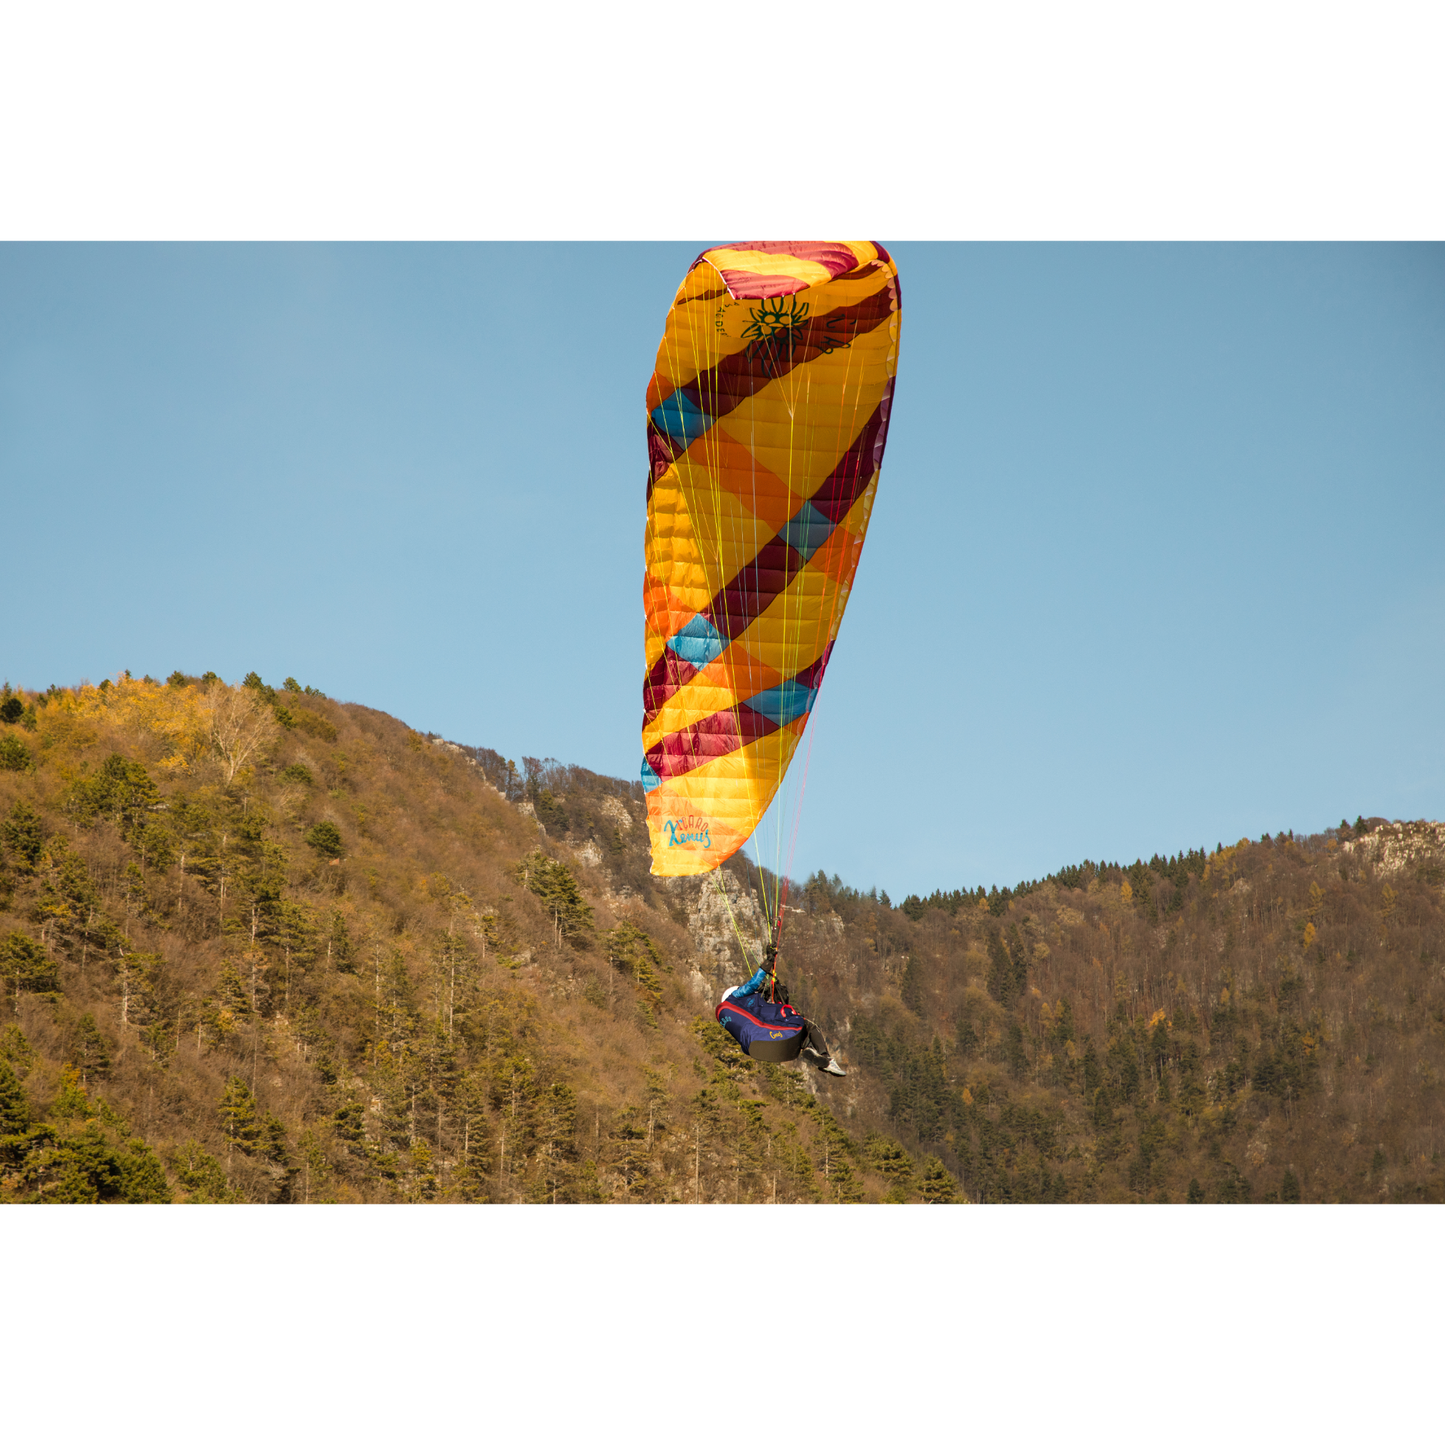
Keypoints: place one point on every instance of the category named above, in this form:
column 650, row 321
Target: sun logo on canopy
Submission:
column 780, row 319
column 776, row 329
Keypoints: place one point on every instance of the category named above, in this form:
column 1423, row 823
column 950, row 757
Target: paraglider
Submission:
column 760, row 1015
column 767, row 416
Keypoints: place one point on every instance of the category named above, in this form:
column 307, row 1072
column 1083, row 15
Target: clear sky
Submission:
column 1156, row 560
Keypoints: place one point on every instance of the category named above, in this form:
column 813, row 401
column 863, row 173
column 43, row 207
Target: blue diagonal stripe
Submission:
column 681, row 419
column 698, row 643
column 784, row 703
column 808, row 530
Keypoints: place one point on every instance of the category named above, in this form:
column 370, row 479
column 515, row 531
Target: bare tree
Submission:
column 240, row 724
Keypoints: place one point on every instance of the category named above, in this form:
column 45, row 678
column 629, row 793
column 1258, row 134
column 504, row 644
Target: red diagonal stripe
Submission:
column 712, row 737
column 759, row 581
column 668, row 674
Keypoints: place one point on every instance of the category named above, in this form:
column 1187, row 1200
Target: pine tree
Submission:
column 633, row 953
column 25, row 966
column 23, row 836
column 237, row 1112
column 966, row 1037
column 1123, row 1062
column 893, row 1162
column 473, row 1142
column 88, row 1052
column 1093, row 1075
column 1019, row 959
column 938, row 1185
column 1063, row 1029
column 1014, row 1054
column 14, row 755
column 841, row 1179
column 338, row 947
column 273, row 1135
column 14, row 1107
column 325, row 838
column 912, row 987
column 202, row 1176
column 1000, row 970
column 554, row 884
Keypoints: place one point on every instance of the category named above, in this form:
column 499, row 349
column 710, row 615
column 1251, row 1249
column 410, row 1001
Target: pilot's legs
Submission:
column 817, row 1052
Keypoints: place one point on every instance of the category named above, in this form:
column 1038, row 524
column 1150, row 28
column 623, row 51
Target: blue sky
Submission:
column 1156, row 560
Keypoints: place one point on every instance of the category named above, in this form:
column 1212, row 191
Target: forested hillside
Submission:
column 259, row 945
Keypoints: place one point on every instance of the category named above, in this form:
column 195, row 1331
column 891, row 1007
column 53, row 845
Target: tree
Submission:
column 14, row 755
column 1289, row 1191
column 88, row 1051
column 1123, row 1064
column 252, row 681
column 1063, row 1030
column 1093, row 1074
column 1000, row 970
column 273, row 1137
column 237, row 1111
column 912, row 987
column 966, row 1036
column 938, row 1186
column 202, row 1176
column 14, row 1107
column 325, row 837
column 554, row 884
column 23, row 836
column 25, row 966
column 122, row 790
column 240, row 724
column 1014, row 1054
column 893, row 1162
column 338, row 945
column 632, row 952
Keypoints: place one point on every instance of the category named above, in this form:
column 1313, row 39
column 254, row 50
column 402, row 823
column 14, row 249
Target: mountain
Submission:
column 256, row 944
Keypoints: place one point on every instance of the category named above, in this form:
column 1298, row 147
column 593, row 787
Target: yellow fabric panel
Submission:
column 694, row 340
column 736, row 469
column 673, row 555
column 727, row 797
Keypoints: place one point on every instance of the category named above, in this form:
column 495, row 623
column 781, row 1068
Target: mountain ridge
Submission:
column 258, row 944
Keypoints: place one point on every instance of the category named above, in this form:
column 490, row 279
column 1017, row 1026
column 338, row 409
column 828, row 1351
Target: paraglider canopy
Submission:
column 766, row 421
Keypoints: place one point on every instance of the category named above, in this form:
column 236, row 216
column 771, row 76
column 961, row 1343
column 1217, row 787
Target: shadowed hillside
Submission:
column 256, row 944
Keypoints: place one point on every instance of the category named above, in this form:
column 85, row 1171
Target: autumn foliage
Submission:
column 259, row 945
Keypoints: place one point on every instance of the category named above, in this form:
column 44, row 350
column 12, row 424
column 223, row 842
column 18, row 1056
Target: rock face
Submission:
column 616, row 810
column 715, row 923
column 1401, row 847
